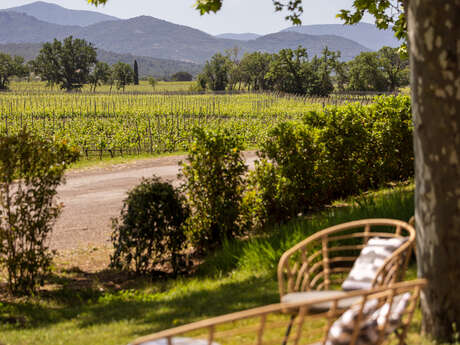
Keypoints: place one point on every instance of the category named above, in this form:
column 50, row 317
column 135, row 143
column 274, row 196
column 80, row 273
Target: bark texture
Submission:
column 434, row 37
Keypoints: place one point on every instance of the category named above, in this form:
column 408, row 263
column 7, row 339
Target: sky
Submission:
column 236, row 16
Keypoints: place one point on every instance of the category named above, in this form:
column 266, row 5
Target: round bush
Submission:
column 149, row 236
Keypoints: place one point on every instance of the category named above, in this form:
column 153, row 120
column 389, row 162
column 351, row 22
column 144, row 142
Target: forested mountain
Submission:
column 147, row 65
column 148, row 36
column 56, row 14
column 22, row 28
column 366, row 34
column 314, row 44
column 242, row 37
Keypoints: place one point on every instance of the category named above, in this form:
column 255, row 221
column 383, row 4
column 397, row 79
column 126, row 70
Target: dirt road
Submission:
column 92, row 197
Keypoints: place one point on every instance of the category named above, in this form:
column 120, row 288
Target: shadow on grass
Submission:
column 88, row 299
column 151, row 304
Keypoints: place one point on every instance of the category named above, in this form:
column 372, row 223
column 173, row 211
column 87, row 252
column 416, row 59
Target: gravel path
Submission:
column 92, row 197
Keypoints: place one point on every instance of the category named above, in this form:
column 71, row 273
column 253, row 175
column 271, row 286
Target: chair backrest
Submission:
column 268, row 324
column 323, row 260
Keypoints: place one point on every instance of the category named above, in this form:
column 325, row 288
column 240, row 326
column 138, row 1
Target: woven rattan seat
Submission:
column 323, row 260
column 267, row 325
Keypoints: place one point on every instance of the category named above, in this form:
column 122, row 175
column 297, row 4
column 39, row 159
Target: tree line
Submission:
column 290, row 71
column 71, row 64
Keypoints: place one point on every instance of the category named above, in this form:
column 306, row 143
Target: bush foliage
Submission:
column 149, row 234
column 214, row 185
column 303, row 165
column 331, row 154
column 31, row 169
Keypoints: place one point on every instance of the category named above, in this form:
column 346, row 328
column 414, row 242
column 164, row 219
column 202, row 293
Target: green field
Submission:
column 138, row 122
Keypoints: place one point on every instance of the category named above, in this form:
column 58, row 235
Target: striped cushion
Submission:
column 371, row 258
column 372, row 321
column 179, row 341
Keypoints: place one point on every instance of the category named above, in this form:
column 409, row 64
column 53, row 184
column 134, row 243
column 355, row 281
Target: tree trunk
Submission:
column 434, row 36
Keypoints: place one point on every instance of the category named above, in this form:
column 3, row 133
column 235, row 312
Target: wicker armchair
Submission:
column 315, row 267
column 267, row 325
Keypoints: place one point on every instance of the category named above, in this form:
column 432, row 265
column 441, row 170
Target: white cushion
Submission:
column 179, row 341
column 370, row 260
column 372, row 322
column 320, row 307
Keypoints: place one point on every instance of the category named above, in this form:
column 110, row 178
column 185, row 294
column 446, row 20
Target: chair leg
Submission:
column 288, row 330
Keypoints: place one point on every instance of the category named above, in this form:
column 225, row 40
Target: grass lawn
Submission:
column 104, row 307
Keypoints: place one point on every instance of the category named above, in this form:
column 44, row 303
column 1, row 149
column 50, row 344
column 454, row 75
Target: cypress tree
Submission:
column 136, row 73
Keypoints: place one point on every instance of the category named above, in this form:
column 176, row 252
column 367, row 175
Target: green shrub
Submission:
column 287, row 177
column 214, row 184
column 150, row 233
column 345, row 138
column 331, row 154
column 31, row 169
column 392, row 137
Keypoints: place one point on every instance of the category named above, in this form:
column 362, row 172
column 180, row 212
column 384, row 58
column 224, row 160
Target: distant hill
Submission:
column 242, row 37
column 151, row 37
column 148, row 36
column 147, row 65
column 22, row 28
column 314, row 44
column 366, row 34
column 56, row 14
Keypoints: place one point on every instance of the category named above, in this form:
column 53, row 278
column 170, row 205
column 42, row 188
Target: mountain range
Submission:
column 148, row 66
column 364, row 33
column 149, row 37
column 55, row 14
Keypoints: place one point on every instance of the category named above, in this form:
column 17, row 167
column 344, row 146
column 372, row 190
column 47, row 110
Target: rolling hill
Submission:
column 22, row 28
column 241, row 37
column 314, row 44
column 56, row 14
column 147, row 65
column 366, row 34
column 156, row 38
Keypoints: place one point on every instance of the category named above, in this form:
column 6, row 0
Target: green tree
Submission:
column 31, row 169
column 366, row 74
column 100, row 74
column 122, row 74
column 215, row 72
column 182, row 76
column 67, row 63
column 291, row 72
column 11, row 66
column 136, row 73
column 323, row 67
column 254, row 67
column 234, row 68
column 395, row 67
column 153, row 82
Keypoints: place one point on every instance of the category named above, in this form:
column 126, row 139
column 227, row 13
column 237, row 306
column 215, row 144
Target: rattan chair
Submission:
column 266, row 325
column 315, row 267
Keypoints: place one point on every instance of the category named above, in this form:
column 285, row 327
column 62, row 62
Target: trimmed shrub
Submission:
column 392, row 138
column 345, row 137
column 149, row 234
column 287, row 177
column 214, row 184
column 31, row 169
column 335, row 153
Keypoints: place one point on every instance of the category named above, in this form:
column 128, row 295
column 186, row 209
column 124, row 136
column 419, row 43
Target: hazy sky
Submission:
column 236, row 15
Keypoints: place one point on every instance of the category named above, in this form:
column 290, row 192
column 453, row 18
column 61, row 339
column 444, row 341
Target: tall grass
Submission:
column 261, row 254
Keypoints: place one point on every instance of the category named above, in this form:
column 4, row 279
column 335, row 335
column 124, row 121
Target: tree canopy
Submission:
column 67, row 63
column 11, row 66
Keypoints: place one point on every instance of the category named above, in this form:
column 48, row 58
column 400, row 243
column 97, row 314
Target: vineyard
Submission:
column 139, row 122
